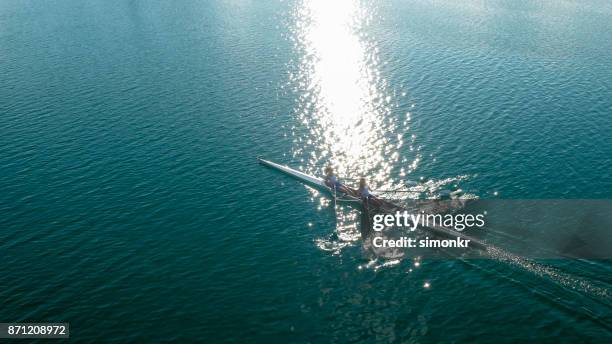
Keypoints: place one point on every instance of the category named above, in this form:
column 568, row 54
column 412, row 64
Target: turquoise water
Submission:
column 132, row 207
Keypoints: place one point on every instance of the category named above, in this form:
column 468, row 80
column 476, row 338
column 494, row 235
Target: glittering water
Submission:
column 345, row 114
column 131, row 205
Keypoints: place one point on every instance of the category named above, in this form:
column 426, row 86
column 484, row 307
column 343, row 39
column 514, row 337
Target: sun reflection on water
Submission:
column 345, row 106
column 348, row 117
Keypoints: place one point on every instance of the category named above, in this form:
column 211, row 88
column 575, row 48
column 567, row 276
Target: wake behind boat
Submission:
column 352, row 195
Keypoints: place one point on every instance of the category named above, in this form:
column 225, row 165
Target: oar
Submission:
column 336, row 214
column 392, row 191
column 335, row 198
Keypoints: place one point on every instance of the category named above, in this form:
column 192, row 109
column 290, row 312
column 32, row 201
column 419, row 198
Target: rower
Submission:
column 332, row 181
column 364, row 191
column 365, row 194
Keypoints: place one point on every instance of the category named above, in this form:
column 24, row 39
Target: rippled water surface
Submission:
column 131, row 204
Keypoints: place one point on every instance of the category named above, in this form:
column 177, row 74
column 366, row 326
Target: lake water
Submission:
column 132, row 206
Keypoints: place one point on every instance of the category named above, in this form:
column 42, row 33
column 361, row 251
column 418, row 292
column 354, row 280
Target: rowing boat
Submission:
column 386, row 206
column 318, row 183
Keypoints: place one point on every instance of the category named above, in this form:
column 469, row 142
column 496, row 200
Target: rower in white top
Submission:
column 331, row 180
column 366, row 196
